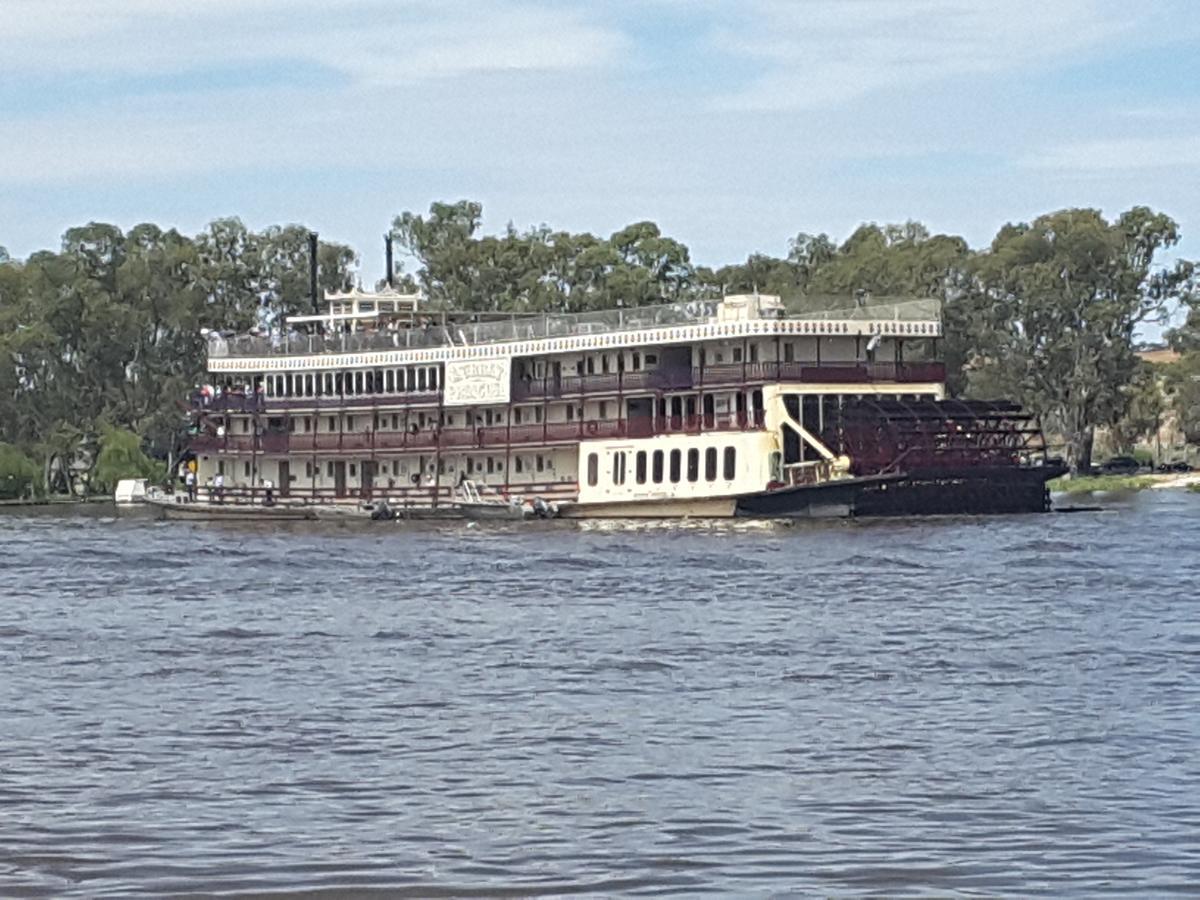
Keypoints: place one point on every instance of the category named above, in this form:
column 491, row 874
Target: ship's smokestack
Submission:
column 312, row 273
column 387, row 253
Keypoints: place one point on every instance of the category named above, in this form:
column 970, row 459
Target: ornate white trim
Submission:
column 682, row 334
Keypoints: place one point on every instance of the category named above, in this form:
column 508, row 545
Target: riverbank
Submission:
column 1095, row 484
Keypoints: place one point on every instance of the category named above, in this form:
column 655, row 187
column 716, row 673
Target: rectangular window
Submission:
column 332, row 423
column 593, row 473
column 619, row 468
column 541, row 464
column 491, row 465
column 570, row 414
column 737, row 354
column 676, row 459
column 517, row 416
column 710, row 464
column 520, row 465
column 329, row 469
column 421, row 379
column 349, row 423
column 537, row 414
column 246, row 468
column 470, row 465
column 694, row 464
column 730, row 463
column 658, row 466
column 640, row 467
column 308, row 470
column 353, row 470
column 604, row 409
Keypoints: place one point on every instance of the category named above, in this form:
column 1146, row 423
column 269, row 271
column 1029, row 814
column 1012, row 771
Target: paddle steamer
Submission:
column 730, row 407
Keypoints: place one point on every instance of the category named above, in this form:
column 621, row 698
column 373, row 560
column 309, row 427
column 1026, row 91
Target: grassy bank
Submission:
column 1087, row 484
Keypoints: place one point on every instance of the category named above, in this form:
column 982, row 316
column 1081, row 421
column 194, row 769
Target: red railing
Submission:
column 730, row 374
column 491, row 436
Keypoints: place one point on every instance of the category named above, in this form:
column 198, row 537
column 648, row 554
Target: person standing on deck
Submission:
column 219, row 487
column 189, row 481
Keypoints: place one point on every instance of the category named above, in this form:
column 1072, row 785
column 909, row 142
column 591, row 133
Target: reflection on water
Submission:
column 1003, row 706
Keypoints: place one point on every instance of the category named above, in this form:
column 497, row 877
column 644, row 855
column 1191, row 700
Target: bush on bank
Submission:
column 18, row 473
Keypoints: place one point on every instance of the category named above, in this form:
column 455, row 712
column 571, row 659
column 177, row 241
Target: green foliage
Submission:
column 1095, row 484
column 18, row 473
column 107, row 328
column 121, row 456
column 1051, row 309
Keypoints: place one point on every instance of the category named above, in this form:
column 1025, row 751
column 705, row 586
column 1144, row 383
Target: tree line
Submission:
column 103, row 336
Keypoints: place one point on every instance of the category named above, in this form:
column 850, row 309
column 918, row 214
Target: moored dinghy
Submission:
column 178, row 507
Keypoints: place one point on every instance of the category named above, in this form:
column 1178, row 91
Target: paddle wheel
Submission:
column 956, row 456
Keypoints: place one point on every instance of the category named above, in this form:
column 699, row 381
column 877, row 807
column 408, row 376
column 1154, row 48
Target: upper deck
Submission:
column 438, row 337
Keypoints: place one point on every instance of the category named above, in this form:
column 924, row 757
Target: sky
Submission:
column 733, row 125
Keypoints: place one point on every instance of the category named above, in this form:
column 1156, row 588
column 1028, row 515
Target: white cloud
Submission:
column 1125, row 154
column 369, row 41
column 827, row 52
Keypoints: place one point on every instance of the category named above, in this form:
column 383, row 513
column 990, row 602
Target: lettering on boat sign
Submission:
column 477, row 381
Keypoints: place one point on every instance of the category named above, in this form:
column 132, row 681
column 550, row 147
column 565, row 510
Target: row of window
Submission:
column 674, row 463
column 349, row 384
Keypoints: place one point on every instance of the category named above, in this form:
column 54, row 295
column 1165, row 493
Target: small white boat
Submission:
column 487, row 504
column 130, row 492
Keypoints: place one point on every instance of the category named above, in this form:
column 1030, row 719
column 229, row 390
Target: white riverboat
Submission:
column 730, row 407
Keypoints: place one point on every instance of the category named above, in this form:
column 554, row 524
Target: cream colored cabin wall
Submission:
column 752, row 467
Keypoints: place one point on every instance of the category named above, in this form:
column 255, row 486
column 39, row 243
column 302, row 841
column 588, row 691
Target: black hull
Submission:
column 929, row 493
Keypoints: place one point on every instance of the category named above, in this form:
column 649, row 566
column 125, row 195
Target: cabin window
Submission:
column 593, row 469
column 570, row 413
column 730, row 463
column 353, row 470
column 737, row 354
column 693, row 472
column 520, row 466
column 245, row 426
column 246, row 468
column 332, row 423
column 308, row 470
column 603, row 409
column 640, row 467
column 635, row 361
column 789, row 352
column 619, row 468
column 349, row 423
column 754, row 353
column 433, row 379
column 395, row 422
column 389, row 381
column 307, row 425
column 537, row 414
column 421, row 379
column 541, row 464
column 470, row 465
column 517, row 416
column 676, row 459
column 329, row 469
column 651, row 359
column 591, row 365
column 658, row 466
column 710, row 464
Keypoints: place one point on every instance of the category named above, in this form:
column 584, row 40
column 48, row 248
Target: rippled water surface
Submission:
column 975, row 707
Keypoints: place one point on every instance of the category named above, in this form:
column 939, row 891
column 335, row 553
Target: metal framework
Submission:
column 935, row 437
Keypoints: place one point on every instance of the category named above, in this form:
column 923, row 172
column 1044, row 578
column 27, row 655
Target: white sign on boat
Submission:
column 470, row 382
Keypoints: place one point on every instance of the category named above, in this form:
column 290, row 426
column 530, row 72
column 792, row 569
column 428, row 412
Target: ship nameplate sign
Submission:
column 477, row 381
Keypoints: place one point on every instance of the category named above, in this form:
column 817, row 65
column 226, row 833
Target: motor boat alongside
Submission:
column 179, row 507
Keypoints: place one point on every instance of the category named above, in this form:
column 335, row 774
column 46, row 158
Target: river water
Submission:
column 1006, row 706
